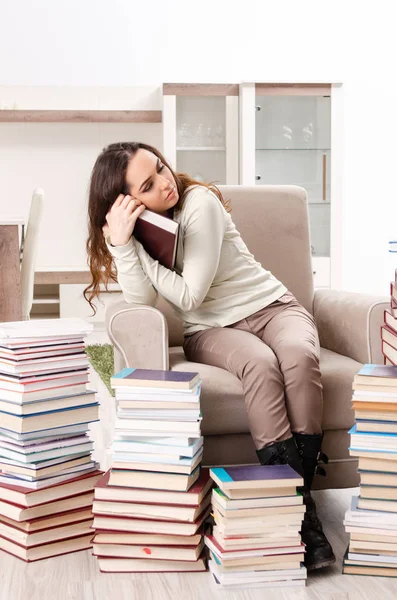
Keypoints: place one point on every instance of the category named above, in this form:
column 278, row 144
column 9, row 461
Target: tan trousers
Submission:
column 275, row 354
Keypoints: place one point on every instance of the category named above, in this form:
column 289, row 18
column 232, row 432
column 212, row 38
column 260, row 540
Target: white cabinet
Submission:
column 73, row 304
column 321, row 272
column 201, row 131
column 292, row 134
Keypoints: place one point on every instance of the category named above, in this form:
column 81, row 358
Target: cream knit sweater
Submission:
column 216, row 281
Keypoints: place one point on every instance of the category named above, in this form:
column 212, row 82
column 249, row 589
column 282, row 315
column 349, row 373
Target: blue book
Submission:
column 253, row 476
column 353, row 431
column 50, row 419
column 377, row 375
column 155, row 378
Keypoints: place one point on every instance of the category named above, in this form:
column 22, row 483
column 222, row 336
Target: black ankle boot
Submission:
column 281, row 453
column 319, row 552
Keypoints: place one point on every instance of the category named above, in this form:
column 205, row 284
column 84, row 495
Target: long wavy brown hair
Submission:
column 106, row 183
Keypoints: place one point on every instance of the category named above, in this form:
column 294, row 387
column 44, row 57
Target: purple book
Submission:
column 155, row 378
column 378, row 371
column 256, row 476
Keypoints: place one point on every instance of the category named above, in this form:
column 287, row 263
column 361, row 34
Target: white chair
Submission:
column 30, row 251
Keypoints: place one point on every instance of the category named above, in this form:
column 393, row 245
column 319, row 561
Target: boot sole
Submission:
column 321, row 565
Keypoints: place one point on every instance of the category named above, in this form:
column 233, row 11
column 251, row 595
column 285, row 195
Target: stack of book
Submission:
column 258, row 515
column 371, row 520
column 47, row 474
column 151, row 506
column 389, row 328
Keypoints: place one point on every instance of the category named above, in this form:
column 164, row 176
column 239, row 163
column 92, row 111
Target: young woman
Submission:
column 236, row 314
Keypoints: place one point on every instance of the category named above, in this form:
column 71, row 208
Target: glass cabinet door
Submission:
column 293, row 147
column 201, row 137
column 200, row 130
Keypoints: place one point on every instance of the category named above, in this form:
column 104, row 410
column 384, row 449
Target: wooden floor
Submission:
column 77, row 577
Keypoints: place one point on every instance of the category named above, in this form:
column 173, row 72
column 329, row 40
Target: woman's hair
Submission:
column 107, row 182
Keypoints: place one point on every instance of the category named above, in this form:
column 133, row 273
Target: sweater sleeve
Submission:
column 204, row 227
column 134, row 283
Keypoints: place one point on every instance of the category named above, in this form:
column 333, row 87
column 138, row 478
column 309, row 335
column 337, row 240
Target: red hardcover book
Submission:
column 165, row 552
column 390, row 320
column 393, row 307
column 26, row 497
column 66, row 546
column 39, row 524
column 110, row 536
column 393, row 291
column 151, row 565
column 390, row 353
column 15, row 512
column 159, row 236
column 193, row 497
column 389, row 336
column 155, row 526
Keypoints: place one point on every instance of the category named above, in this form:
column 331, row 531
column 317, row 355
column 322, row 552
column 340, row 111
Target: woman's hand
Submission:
column 121, row 219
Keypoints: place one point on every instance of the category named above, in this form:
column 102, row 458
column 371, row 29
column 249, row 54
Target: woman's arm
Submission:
column 134, row 283
column 202, row 242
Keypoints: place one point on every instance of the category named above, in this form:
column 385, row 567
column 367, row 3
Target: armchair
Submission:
column 273, row 221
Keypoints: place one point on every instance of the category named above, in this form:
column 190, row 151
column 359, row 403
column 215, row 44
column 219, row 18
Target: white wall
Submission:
column 121, row 42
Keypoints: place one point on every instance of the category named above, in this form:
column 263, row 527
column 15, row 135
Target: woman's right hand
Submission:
column 121, row 219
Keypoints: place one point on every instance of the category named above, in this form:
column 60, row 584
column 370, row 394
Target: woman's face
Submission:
column 151, row 182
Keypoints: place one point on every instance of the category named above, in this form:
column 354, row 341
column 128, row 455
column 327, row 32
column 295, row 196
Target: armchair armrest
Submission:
column 349, row 323
column 139, row 334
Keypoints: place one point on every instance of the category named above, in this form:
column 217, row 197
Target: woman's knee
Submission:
column 299, row 355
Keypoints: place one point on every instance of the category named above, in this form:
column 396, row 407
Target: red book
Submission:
column 132, row 525
column 23, row 496
column 390, row 321
column 389, row 336
column 192, row 497
column 390, row 353
column 393, row 291
column 15, row 512
column 150, row 565
column 159, row 237
column 39, row 524
column 393, row 307
column 109, row 536
column 66, row 546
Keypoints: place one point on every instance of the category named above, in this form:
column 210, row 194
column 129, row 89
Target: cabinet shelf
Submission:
column 80, row 116
column 201, row 148
column 293, row 149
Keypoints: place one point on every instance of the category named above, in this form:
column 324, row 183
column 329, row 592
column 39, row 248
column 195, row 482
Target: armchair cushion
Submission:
column 222, row 399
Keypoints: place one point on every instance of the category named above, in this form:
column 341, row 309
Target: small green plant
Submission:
column 101, row 357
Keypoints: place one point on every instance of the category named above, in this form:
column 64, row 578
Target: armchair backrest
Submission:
column 274, row 223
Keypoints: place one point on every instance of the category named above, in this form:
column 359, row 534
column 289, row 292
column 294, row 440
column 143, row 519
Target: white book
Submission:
column 157, row 458
column 44, row 328
column 49, row 366
column 128, row 392
column 388, row 558
column 86, row 467
column 39, row 456
column 166, row 415
column 187, row 427
column 364, row 394
column 370, row 528
column 56, row 432
column 159, row 449
column 45, row 445
column 235, row 554
column 136, row 433
column 36, row 467
column 257, row 576
column 43, row 483
column 153, row 438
